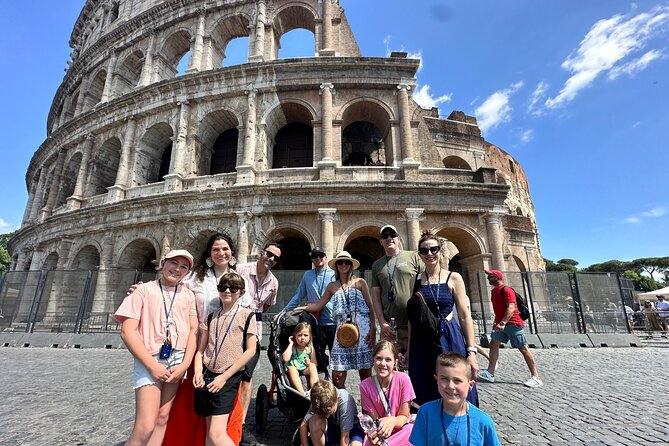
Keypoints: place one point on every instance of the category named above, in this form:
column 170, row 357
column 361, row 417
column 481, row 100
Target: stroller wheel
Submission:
column 262, row 408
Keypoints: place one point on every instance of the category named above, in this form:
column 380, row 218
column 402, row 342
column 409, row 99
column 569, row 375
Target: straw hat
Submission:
column 344, row 255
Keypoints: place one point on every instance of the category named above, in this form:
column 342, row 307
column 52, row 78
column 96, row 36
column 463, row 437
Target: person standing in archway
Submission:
column 393, row 277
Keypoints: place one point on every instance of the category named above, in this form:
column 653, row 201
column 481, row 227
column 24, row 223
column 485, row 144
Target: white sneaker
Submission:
column 485, row 375
column 533, row 382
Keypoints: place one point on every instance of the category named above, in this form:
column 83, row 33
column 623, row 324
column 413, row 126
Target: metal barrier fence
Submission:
column 84, row 301
column 563, row 302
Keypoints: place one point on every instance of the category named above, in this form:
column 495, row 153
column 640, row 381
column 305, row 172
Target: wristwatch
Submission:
column 471, row 350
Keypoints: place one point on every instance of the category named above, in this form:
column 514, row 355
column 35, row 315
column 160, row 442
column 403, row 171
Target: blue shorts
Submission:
column 513, row 333
column 142, row 377
column 333, row 433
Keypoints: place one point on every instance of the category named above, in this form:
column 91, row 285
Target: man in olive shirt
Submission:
column 393, row 277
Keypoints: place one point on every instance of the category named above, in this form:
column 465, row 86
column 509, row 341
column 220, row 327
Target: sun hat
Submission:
column 344, row 255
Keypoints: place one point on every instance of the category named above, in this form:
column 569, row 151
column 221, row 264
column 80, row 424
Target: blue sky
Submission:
column 576, row 91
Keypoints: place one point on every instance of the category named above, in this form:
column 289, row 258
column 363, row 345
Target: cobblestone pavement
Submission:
column 596, row 396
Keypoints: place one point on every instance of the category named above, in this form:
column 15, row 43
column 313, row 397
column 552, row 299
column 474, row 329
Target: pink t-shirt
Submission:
column 146, row 305
column 401, row 391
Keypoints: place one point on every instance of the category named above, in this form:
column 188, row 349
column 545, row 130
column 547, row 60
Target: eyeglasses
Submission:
column 431, row 250
column 343, row 262
column 317, row 255
column 386, row 235
column 270, row 255
column 224, row 288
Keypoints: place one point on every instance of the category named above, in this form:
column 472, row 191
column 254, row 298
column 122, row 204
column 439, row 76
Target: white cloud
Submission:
column 656, row 212
column 636, row 124
column 496, row 109
column 4, row 225
column 537, row 95
column 425, row 99
column 527, row 135
column 606, row 47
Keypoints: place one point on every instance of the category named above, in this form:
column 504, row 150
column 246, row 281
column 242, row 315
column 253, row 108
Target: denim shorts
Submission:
column 142, row 377
column 513, row 333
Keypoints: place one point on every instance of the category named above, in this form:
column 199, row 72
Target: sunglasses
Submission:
column 430, row 250
column 224, row 288
column 343, row 262
column 386, row 235
column 317, row 255
column 270, row 255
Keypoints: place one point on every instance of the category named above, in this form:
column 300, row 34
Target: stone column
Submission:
column 109, row 80
column 327, row 216
column 55, row 185
column 31, row 199
column 405, row 121
column 147, row 69
column 246, row 170
column 74, row 202
column 195, row 62
column 83, row 94
column 179, row 166
column 494, row 229
column 414, row 216
column 117, row 191
column 259, row 46
column 326, row 41
column 242, row 235
column 67, row 103
column 39, row 196
column 206, row 54
column 166, row 244
column 326, row 91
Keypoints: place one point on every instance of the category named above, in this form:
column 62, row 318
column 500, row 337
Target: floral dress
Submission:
column 358, row 356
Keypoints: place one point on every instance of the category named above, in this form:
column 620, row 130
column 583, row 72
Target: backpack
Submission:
column 521, row 304
column 251, row 365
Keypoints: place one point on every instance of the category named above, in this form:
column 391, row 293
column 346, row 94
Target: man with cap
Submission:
column 508, row 326
column 662, row 311
column 312, row 287
column 393, row 277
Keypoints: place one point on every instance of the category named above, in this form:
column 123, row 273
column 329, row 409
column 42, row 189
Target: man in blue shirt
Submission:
column 312, row 287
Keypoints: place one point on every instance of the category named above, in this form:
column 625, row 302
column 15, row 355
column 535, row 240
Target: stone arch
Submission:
column 104, row 167
column 50, row 261
column 69, row 113
column 87, row 258
column 362, row 241
column 455, row 162
column 223, row 32
column 129, row 72
column 520, row 265
column 153, row 154
column 366, row 132
column 174, row 47
column 292, row 16
column 95, row 89
column 288, row 126
column 296, row 241
column 219, row 142
column 69, row 179
column 140, row 254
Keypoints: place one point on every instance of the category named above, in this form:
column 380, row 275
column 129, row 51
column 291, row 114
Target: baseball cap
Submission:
column 178, row 253
column 389, row 228
column 494, row 272
column 317, row 250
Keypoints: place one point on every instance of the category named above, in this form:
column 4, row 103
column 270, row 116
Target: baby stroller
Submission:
column 281, row 394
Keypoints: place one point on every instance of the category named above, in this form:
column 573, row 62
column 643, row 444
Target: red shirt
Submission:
column 500, row 302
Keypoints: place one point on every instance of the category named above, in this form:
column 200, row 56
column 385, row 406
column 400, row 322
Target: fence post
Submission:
column 622, row 300
column 83, row 303
column 485, row 325
column 578, row 305
column 34, row 308
column 530, row 299
column 3, row 275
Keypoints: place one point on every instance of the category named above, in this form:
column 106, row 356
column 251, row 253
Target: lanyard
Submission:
column 167, row 313
column 429, row 287
column 347, row 297
column 259, row 291
column 320, row 287
column 391, row 276
column 217, row 346
column 385, row 400
column 443, row 428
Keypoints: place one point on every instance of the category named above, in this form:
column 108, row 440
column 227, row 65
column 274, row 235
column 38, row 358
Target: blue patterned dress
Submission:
column 360, row 355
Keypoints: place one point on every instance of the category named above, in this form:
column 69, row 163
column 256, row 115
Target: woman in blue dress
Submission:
column 448, row 326
column 351, row 302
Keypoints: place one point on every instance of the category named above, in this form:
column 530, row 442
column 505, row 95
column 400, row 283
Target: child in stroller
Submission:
column 300, row 356
column 281, row 393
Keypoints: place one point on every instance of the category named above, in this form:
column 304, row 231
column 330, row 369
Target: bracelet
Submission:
column 471, row 349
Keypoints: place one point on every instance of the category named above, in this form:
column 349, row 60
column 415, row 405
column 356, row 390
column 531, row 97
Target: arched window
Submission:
column 294, row 146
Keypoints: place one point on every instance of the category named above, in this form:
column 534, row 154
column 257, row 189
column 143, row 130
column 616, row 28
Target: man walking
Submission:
column 393, row 278
column 262, row 287
column 508, row 326
column 311, row 289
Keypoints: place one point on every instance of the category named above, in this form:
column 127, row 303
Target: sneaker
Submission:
column 533, row 382
column 485, row 375
column 247, row 437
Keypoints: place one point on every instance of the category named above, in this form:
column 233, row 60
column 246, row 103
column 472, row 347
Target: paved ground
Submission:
column 595, row 396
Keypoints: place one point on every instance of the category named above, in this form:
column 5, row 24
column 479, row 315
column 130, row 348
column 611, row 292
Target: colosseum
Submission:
column 324, row 150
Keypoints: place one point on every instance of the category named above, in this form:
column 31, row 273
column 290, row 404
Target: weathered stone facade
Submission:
column 321, row 150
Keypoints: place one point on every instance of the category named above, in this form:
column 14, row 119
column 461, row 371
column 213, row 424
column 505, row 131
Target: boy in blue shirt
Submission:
column 452, row 420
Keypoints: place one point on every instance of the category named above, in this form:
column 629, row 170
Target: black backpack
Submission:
column 521, row 304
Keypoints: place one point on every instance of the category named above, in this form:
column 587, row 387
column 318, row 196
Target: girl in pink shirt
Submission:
column 159, row 326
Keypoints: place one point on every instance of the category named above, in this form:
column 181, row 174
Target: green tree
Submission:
column 610, row 266
column 642, row 283
column 568, row 265
column 5, row 259
column 651, row 266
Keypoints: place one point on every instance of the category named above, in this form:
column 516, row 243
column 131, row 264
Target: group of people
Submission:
column 657, row 315
column 202, row 320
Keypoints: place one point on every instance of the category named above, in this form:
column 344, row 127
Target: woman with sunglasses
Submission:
column 351, row 303
column 448, row 326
